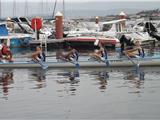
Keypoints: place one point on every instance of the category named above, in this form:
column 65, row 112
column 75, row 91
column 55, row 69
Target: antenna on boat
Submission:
column 55, row 3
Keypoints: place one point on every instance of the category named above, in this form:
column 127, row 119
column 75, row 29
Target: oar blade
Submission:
column 107, row 63
column 44, row 67
column 42, row 64
column 77, row 65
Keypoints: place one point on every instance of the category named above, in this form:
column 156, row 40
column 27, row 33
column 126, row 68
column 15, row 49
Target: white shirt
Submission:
column 1, row 46
column 97, row 27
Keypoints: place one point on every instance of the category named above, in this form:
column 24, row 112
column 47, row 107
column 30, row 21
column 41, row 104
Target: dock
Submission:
column 84, row 42
column 56, row 43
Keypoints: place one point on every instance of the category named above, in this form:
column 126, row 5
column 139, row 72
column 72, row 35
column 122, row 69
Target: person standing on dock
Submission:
column 10, row 24
column 5, row 52
column 97, row 26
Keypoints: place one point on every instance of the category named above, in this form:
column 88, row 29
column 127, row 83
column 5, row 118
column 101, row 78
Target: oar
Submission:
column 136, row 64
column 42, row 64
column 71, row 61
column 106, row 58
column 76, row 64
column 76, row 55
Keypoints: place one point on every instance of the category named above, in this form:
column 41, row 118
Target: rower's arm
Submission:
column 35, row 54
column 100, row 51
column 132, row 50
column 70, row 53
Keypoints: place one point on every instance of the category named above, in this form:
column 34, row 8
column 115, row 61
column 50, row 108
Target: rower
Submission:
column 126, row 44
column 136, row 51
column 71, row 55
column 38, row 55
column 99, row 54
column 5, row 52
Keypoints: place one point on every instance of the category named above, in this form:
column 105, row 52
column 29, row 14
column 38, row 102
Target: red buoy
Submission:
column 59, row 25
column 36, row 23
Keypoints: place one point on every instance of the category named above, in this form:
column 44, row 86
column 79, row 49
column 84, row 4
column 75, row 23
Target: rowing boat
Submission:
column 114, row 62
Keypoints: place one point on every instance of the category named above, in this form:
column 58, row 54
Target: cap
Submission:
column 8, row 19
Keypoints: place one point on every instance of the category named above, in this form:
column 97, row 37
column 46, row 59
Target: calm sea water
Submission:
column 80, row 94
column 117, row 93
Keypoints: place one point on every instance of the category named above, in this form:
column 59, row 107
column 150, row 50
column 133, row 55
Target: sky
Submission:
column 78, row 8
column 106, row 0
column 79, row 0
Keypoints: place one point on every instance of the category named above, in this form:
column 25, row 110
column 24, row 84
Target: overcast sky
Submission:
column 74, row 8
column 105, row 0
column 77, row 0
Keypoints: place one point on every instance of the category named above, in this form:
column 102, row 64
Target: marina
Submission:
column 70, row 59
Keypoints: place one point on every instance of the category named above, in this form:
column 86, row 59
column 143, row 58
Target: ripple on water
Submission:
column 83, row 93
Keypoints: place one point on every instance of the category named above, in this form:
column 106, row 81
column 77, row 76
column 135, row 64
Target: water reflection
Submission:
column 70, row 78
column 6, row 79
column 38, row 75
column 135, row 80
column 102, row 77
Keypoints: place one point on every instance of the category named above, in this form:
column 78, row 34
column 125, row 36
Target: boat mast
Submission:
column 14, row 8
column 55, row 3
column 63, row 9
column 42, row 8
column 26, row 8
column 0, row 10
column 46, row 6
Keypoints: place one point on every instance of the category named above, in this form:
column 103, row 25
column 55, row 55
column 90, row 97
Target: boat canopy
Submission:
column 114, row 21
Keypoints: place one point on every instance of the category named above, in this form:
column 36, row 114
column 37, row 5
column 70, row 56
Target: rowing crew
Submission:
column 70, row 55
column 134, row 51
column 39, row 57
column 99, row 54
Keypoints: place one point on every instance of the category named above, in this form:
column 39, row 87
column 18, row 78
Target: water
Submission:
column 117, row 93
column 80, row 94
